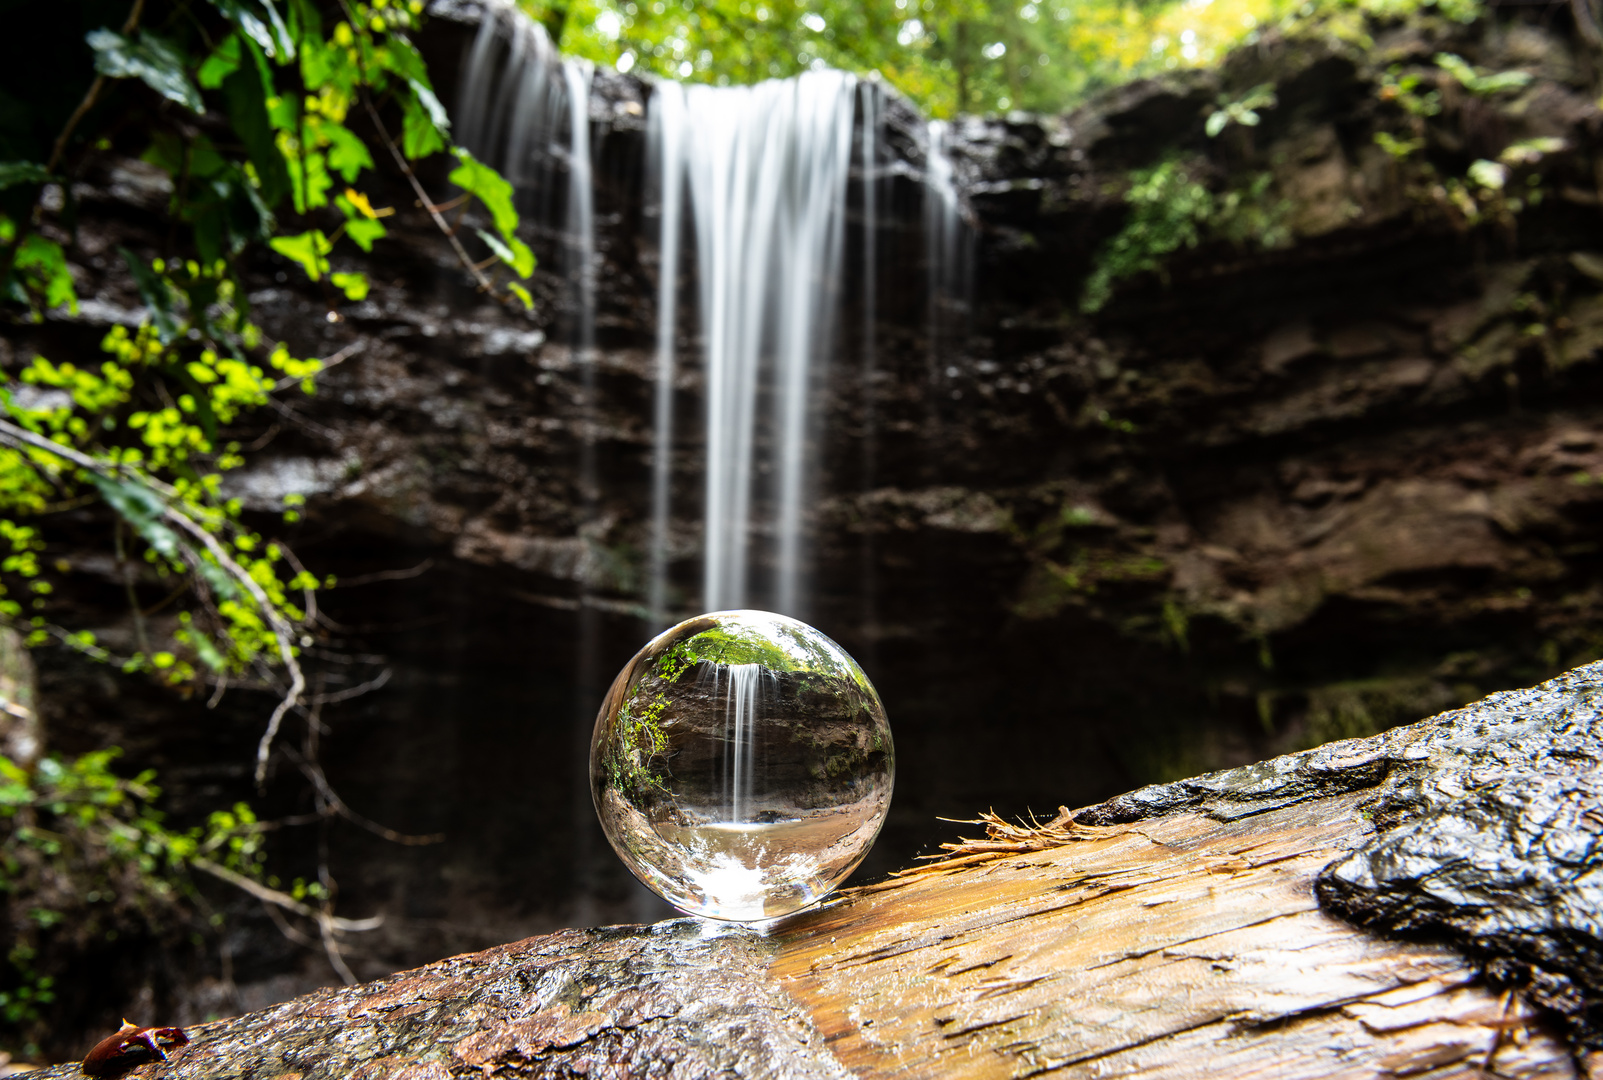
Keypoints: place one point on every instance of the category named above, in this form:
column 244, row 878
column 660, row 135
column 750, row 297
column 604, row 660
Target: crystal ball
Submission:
column 742, row 765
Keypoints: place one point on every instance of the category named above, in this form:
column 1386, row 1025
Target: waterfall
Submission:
column 741, row 702
column 945, row 239
column 767, row 185
column 512, row 102
column 665, row 159
column 761, row 174
column 872, row 108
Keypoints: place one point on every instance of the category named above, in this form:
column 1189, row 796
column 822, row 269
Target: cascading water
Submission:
column 512, row 103
column 762, row 172
column 945, row 240
column 741, row 702
column 767, row 184
column 869, row 177
column 665, row 158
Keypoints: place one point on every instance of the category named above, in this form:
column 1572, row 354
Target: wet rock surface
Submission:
column 667, row 1000
column 1488, row 832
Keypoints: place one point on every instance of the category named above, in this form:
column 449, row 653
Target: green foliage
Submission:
column 86, row 855
column 150, row 58
column 1243, row 111
column 1480, row 82
column 949, row 56
column 267, row 117
column 140, row 426
column 1171, row 209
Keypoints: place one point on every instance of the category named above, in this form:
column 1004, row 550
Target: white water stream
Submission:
column 755, row 180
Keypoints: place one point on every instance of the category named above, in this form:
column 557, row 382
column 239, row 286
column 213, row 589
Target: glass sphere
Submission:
column 742, row 765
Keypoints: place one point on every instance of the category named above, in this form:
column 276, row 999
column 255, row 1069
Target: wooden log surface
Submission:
column 1186, row 941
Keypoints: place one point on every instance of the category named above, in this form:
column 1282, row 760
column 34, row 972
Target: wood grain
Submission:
column 1185, row 947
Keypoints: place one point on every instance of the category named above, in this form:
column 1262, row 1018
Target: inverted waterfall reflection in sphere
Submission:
column 742, row 765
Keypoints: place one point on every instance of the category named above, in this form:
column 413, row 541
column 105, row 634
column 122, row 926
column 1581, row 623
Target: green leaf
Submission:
column 151, row 59
column 13, row 173
column 347, row 154
column 402, row 57
column 420, row 135
column 143, row 509
column 261, row 22
column 521, row 293
column 1474, row 81
column 246, row 100
column 308, row 173
column 484, row 182
column 154, row 292
column 49, row 265
column 304, row 20
column 516, row 254
column 223, row 62
column 363, row 231
column 218, row 578
column 353, row 285
column 308, row 249
column 204, row 413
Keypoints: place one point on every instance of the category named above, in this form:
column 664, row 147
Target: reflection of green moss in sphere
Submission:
column 742, row 765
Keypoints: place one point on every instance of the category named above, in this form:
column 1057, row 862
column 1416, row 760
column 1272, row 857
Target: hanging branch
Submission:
column 283, row 633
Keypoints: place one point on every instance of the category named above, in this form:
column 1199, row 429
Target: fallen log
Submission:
column 1422, row 903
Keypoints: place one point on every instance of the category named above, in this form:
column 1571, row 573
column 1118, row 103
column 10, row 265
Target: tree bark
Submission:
column 1174, row 932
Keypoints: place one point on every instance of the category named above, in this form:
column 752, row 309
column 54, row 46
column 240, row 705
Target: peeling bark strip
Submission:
column 1178, row 936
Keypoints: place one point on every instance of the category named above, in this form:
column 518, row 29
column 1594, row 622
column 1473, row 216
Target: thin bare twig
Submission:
column 385, row 575
column 423, row 197
column 334, row 361
column 325, row 791
column 353, row 691
column 310, row 591
column 283, row 899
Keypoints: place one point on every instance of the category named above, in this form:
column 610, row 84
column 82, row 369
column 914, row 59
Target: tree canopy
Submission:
column 949, row 56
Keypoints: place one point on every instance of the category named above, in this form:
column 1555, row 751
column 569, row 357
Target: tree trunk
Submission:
column 1174, row 932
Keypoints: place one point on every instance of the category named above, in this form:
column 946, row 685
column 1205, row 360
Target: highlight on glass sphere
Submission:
column 742, row 765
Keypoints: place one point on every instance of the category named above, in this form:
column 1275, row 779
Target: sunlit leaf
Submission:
column 260, row 20
column 151, row 59
column 354, row 286
column 347, row 154
column 363, row 231
column 492, row 190
column 307, row 248
column 47, row 265
column 515, row 253
column 223, row 62
column 420, row 135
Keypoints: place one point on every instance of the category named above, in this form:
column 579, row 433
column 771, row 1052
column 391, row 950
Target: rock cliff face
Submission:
column 1265, row 497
